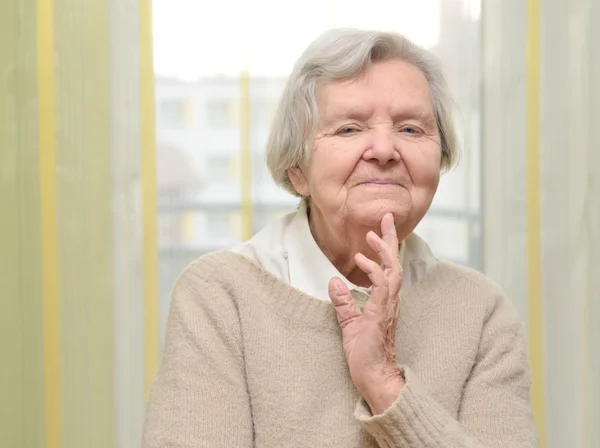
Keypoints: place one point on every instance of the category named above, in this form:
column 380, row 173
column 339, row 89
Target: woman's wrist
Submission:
column 380, row 393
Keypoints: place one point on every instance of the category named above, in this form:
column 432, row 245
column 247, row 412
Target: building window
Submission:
column 260, row 171
column 218, row 169
column 219, row 113
column 262, row 112
column 172, row 114
column 218, row 226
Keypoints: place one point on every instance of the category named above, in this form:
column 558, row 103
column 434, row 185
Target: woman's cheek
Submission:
column 424, row 169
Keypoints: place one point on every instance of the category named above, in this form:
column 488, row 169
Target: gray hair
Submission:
column 343, row 54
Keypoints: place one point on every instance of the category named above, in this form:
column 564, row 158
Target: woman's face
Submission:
column 377, row 149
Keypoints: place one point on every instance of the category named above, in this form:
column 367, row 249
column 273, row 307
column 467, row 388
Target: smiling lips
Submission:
column 380, row 182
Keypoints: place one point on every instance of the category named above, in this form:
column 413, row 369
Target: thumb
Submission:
column 342, row 300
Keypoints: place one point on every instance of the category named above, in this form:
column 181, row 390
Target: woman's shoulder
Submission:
column 425, row 267
column 214, row 281
column 472, row 288
column 458, row 272
column 219, row 266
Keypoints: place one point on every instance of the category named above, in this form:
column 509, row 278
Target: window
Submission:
column 171, row 114
column 219, row 113
column 218, row 226
column 446, row 27
column 261, row 112
column 218, row 168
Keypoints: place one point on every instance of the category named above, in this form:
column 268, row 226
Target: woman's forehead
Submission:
column 394, row 84
column 339, row 107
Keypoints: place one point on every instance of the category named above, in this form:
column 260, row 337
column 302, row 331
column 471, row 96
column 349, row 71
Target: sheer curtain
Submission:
column 78, row 329
column 542, row 198
column 570, row 216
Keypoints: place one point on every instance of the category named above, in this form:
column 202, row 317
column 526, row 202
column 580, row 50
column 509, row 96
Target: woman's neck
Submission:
column 340, row 240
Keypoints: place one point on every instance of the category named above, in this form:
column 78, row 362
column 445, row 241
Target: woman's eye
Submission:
column 411, row 130
column 347, row 131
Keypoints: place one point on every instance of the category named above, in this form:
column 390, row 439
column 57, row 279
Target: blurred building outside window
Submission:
column 220, row 113
column 218, row 168
column 172, row 113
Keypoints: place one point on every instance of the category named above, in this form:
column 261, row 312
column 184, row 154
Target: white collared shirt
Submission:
column 287, row 249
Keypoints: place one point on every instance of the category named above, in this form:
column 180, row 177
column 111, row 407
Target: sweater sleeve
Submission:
column 495, row 410
column 199, row 397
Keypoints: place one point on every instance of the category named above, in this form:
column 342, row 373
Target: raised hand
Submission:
column 369, row 336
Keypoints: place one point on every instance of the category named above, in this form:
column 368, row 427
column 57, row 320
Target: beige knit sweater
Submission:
column 250, row 361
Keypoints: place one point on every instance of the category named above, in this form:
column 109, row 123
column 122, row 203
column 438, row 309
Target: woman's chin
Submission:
column 371, row 214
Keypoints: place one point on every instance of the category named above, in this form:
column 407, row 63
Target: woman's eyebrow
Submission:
column 345, row 114
column 414, row 113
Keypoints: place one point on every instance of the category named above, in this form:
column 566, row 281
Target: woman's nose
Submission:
column 382, row 148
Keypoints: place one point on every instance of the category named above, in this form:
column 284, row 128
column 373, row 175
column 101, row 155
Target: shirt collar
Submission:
column 309, row 269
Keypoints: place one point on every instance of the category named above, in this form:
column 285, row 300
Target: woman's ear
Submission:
column 299, row 181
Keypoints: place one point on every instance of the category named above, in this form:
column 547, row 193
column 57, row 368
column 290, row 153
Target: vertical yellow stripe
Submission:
column 245, row 156
column 188, row 113
column 534, row 274
column 49, row 235
column 149, row 217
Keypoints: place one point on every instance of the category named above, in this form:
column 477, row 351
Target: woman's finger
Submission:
column 389, row 258
column 390, row 237
column 345, row 308
column 380, row 288
column 388, row 233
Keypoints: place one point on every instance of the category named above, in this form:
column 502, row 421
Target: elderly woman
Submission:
column 336, row 326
